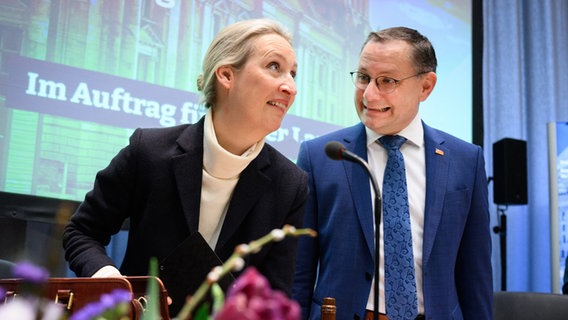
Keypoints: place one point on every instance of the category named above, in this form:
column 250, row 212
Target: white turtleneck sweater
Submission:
column 221, row 171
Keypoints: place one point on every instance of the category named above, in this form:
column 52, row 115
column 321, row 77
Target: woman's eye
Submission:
column 293, row 74
column 274, row 66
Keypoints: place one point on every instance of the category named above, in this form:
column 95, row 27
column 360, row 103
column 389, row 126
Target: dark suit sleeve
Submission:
column 308, row 251
column 474, row 280
column 101, row 214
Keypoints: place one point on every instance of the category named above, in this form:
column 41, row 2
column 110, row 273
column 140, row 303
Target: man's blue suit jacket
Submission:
column 457, row 274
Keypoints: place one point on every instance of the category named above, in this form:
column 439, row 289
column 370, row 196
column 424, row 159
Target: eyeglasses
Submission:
column 384, row 84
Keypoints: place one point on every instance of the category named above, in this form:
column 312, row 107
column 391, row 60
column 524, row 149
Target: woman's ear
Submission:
column 225, row 76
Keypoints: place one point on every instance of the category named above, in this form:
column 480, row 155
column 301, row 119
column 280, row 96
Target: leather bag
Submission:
column 75, row 293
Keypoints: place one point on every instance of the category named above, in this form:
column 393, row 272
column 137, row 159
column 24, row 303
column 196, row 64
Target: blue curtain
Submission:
column 525, row 86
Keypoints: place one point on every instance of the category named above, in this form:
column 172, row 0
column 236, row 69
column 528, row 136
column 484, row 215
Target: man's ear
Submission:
column 225, row 76
column 428, row 84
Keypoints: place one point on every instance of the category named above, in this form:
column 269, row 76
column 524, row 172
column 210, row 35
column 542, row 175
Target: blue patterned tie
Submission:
column 400, row 281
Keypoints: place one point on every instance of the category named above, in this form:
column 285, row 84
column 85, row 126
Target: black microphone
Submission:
column 336, row 151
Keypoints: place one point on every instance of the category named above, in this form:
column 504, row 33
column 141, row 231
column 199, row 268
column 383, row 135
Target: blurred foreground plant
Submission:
column 250, row 297
column 30, row 305
column 246, row 296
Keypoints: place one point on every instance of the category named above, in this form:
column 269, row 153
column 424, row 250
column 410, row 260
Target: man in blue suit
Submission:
column 447, row 197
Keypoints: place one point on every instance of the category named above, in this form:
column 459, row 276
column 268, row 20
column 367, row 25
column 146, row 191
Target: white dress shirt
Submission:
column 415, row 165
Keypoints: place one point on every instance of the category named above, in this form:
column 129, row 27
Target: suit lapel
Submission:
column 248, row 190
column 437, row 162
column 187, row 168
column 359, row 185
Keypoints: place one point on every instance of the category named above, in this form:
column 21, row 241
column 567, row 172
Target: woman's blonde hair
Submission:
column 233, row 46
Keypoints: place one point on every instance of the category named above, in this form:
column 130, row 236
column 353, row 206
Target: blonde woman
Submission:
column 217, row 177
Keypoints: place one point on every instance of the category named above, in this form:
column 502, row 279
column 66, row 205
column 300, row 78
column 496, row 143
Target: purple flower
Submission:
column 108, row 301
column 252, row 284
column 30, row 273
column 251, row 298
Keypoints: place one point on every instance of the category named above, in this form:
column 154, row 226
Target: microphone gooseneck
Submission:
column 337, row 151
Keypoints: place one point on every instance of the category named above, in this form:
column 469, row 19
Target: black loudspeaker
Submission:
column 510, row 171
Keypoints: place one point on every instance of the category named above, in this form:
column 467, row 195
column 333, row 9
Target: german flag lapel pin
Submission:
column 439, row 152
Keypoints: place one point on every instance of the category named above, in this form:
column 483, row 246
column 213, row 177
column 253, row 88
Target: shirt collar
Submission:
column 414, row 133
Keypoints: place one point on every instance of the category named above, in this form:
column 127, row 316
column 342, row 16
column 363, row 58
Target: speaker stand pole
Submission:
column 503, row 240
column 502, row 231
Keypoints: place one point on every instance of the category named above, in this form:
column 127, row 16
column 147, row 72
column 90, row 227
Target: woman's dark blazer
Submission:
column 156, row 182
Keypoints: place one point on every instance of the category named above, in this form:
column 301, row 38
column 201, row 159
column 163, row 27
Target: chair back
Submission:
column 6, row 269
column 529, row 305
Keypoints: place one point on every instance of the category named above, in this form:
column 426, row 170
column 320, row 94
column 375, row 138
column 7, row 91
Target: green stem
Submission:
column 233, row 263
